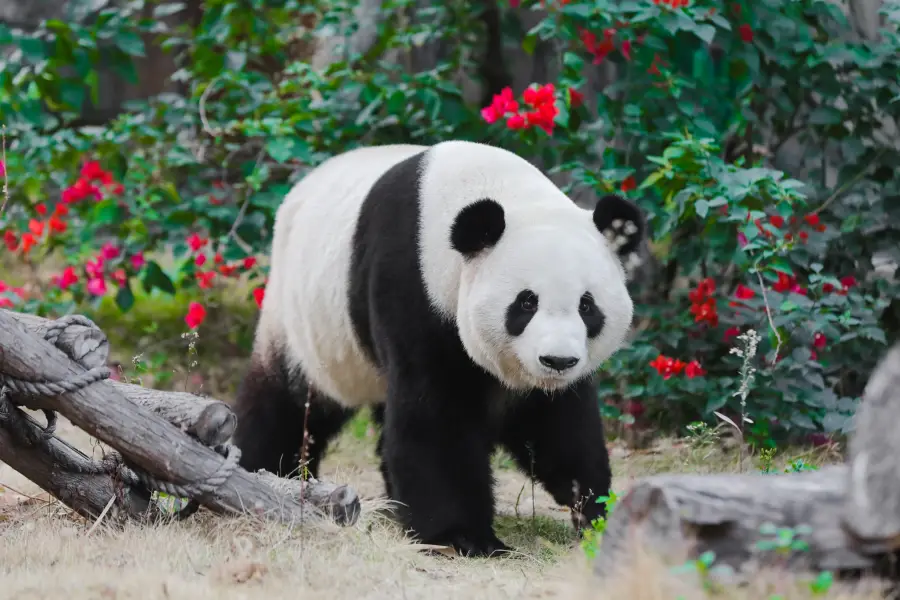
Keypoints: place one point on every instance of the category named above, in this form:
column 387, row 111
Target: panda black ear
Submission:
column 621, row 222
column 477, row 227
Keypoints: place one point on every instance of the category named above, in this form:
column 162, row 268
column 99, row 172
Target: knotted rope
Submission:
column 28, row 432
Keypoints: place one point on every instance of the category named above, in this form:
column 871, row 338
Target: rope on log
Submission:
column 221, row 484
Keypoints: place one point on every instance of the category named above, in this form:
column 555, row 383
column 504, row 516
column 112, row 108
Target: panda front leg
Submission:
column 558, row 439
column 436, row 453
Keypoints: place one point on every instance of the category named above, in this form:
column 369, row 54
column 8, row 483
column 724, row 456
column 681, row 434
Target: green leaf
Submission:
column 705, row 33
column 651, row 179
column 125, row 298
column 154, row 277
column 130, row 43
column 702, row 208
column 236, row 60
column 280, row 148
column 825, row 115
column 107, row 212
column 169, row 8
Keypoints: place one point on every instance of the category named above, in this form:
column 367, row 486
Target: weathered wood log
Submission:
column 146, row 440
column 67, row 473
column 86, row 343
column 209, row 420
column 872, row 513
column 729, row 514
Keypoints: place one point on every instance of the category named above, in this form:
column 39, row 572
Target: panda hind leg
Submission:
column 270, row 409
column 559, row 440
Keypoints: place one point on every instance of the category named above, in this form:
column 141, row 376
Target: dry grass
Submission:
column 47, row 552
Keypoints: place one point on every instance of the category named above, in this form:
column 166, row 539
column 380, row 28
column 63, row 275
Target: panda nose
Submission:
column 558, row 363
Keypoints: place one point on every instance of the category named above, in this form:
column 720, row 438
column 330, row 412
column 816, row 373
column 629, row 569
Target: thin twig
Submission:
column 203, row 97
column 848, row 184
column 762, row 286
column 102, row 514
column 5, row 171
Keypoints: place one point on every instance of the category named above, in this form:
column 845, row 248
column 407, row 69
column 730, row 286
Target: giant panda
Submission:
column 461, row 294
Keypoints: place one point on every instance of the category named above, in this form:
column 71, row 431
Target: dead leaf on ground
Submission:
column 240, row 571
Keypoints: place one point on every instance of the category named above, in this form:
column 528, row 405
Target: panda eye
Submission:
column 586, row 304
column 528, row 301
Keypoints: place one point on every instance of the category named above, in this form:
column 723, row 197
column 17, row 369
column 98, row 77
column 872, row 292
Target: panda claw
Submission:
column 468, row 547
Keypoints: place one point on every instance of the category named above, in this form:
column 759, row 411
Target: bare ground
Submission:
column 49, row 553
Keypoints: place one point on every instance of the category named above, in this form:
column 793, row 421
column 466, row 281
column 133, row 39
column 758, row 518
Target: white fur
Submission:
column 306, row 306
column 550, row 246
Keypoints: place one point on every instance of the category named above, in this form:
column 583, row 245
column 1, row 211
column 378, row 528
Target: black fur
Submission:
column 612, row 207
column 593, row 317
column 270, row 410
column 478, row 226
column 520, row 312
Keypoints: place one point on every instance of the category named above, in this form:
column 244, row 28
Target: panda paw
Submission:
column 473, row 547
column 623, row 236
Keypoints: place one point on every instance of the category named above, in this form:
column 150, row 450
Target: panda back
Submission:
column 306, row 313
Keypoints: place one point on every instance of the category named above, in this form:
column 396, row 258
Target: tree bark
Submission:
column 150, row 443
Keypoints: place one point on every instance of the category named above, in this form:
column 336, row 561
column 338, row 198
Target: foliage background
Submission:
column 759, row 138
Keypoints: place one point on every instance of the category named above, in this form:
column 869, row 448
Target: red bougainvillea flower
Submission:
column 732, row 332
column 57, row 225
column 705, row 288
column 96, row 286
column 94, row 268
column 743, row 292
column 28, row 242
column 249, row 262
column 35, row 227
column 576, row 98
column 65, row 280
column 705, row 311
column 625, row 49
column 501, row 104
column 218, row 258
column 120, row 277
column 258, row 295
column 542, row 100
column 137, row 261
column 41, row 209
column 628, row 184
column 2, row 169
column 200, row 260
column 11, row 240
column 777, row 221
column 784, row 283
column 195, row 315
column 515, row 122
column 746, row 33
column 597, row 48
column 195, row 242
column 108, row 251
column 666, row 366
column 742, row 239
column 227, row 270
column 812, row 219
column 819, row 340
column 204, row 280
column 848, row 281
column 693, row 369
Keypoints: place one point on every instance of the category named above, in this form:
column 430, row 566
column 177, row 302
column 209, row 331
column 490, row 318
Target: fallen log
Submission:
column 843, row 517
column 209, row 420
column 41, row 376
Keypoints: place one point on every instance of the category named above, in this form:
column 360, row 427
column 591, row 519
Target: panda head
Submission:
column 543, row 298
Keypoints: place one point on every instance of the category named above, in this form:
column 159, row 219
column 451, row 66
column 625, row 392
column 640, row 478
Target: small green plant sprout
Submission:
column 590, row 541
column 766, row 461
column 798, row 465
column 706, row 569
column 784, row 540
column 822, row 583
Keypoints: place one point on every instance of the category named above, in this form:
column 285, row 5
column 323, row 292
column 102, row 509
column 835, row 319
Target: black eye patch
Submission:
column 591, row 315
column 520, row 312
